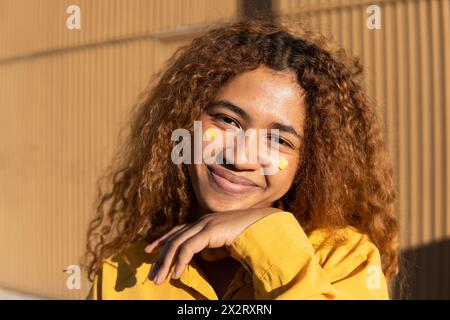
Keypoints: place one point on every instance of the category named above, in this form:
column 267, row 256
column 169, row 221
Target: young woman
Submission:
column 321, row 227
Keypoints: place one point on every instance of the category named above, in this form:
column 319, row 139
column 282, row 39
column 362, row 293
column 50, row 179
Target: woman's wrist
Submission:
column 264, row 212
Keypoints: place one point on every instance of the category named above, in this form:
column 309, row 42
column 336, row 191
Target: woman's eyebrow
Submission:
column 285, row 128
column 232, row 107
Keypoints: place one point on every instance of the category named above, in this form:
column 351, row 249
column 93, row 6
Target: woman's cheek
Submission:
column 213, row 142
column 287, row 166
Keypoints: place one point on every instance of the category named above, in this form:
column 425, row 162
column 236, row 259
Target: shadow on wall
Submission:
column 426, row 271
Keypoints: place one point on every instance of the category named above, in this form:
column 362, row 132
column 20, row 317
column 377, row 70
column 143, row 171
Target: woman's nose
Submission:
column 243, row 153
column 247, row 165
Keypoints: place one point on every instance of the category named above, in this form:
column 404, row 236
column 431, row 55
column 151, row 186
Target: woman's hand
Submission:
column 215, row 230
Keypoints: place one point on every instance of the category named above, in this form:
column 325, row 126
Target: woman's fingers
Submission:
column 160, row 241
column 187, row 250
column 166, row 258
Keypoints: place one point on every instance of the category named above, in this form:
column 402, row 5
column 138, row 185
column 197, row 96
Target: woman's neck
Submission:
column 196, row 211
column 219, row 273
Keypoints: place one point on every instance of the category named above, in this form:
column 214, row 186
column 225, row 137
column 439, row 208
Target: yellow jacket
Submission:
column 278, row 261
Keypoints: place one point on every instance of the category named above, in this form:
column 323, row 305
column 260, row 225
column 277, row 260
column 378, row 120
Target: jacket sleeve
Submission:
column 286, row 265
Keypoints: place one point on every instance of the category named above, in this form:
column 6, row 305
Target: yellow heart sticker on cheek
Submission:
column 282, row 163
column 210, row 134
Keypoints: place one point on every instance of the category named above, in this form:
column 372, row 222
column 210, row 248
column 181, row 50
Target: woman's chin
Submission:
column 221, row 205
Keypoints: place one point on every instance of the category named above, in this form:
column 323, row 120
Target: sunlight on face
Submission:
column 258, row 99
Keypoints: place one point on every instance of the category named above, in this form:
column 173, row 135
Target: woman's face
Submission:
column 258, row 99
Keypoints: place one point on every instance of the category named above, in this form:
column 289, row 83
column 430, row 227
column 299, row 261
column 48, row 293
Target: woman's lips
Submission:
column 230, row 182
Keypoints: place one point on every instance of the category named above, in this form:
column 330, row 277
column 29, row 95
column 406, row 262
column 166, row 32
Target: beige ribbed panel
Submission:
column 407, row 76
column 35, row 26
column 64, row 95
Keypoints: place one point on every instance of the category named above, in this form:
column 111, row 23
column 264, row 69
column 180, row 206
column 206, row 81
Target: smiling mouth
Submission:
column 230, row 182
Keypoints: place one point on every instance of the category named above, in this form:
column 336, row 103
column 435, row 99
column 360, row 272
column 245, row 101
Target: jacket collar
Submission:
column 194, row 277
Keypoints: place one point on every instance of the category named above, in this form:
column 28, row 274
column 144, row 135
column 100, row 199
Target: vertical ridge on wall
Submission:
column 444, row 8
column 425, row 87
column 403, row 124
column 414, row 134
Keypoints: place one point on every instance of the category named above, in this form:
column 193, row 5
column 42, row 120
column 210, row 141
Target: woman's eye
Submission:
column 227, row 120
column 279, row 140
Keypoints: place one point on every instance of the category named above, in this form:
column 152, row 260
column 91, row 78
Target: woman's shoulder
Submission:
column 349, row 238
column 343, row 251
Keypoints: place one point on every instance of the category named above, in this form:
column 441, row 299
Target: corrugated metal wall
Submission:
column 63, row 95
column 408, row 74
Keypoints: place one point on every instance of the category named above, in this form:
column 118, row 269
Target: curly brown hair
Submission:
column 344, row 176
